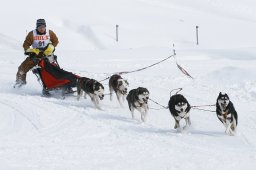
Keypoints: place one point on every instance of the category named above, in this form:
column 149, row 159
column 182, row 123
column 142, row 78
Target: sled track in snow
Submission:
column 21, row 113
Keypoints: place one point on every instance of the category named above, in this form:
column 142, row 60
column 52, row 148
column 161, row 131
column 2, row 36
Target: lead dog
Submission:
column 179, row 108
column 91, row 87
column 118, row 85
column 226, row 113
column 138, row 99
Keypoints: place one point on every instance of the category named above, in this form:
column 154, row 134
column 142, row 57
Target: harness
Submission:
column 224, row 113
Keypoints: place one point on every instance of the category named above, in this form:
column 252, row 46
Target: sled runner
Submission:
column 52, row 77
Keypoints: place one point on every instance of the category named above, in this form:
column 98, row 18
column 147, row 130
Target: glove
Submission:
column 32, row 50
column 49, row 50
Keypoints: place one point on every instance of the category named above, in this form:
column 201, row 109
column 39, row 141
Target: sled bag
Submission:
column 53, row 76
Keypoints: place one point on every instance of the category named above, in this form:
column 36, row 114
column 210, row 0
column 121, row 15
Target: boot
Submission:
column 19, row 82
column 25, row 66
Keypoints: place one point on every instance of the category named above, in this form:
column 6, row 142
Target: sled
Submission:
column 53, row 78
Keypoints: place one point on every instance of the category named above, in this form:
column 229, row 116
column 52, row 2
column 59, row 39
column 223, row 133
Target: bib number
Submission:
column 41, row 43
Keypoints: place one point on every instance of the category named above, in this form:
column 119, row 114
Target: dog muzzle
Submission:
column 224, row 105
column 124, row 92
column 101, row 97
column 145, row 100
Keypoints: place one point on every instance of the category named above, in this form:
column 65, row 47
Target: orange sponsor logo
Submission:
column 41, row 37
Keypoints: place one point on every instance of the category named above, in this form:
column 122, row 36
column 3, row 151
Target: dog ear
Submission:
column 220, row 94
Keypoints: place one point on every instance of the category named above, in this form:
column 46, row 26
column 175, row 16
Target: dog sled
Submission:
column 53, row 78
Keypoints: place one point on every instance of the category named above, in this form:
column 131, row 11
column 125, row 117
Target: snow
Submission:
column 51, row 133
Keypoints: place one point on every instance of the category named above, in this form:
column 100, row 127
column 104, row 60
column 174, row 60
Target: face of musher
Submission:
column 41, row 29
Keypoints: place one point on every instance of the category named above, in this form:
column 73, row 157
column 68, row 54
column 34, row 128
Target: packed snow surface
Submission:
column 51, row 133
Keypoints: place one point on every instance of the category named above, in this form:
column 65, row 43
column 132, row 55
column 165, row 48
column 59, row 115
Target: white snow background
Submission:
column 38, row 133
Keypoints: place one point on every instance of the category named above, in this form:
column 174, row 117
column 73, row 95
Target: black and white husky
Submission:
column 138, row 99
column 118, row 85
column 91, row 87
column 226, row 113
column 179, row 108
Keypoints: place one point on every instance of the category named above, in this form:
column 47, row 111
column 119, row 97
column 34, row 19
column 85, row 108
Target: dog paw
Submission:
column 99, row 108
column 179, row 129
column 121, row 105
column 185, row 128
column 230, row 132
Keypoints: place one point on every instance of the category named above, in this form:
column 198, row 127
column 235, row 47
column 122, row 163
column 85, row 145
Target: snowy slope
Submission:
column 51, row 133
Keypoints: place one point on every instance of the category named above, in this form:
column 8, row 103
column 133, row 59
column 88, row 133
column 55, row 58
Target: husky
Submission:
column 118, row 85
column 179, row 108
column 91, row 87
column 138, row 99
column 226, row 113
